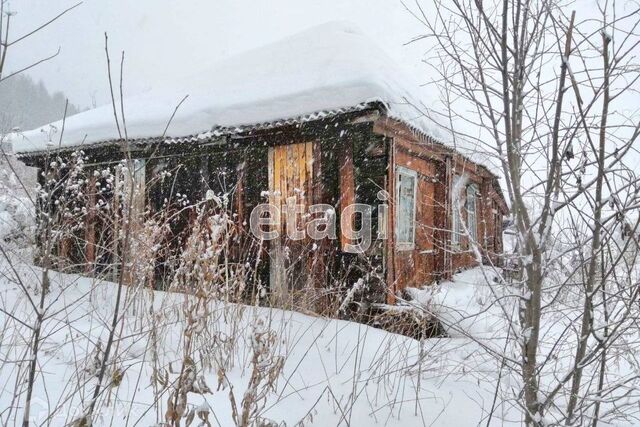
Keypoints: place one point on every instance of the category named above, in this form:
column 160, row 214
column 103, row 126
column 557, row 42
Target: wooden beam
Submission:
column 347, row 186
column 90, row 226
column 391, row 225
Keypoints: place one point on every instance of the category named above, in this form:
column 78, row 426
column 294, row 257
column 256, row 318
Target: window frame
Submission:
column 409, row 173
column 472, row 227
column 497, row 231
column 456, row 214
column 139, row 171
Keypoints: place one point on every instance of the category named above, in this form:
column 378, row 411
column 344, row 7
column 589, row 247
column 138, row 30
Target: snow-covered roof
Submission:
column 327, row 68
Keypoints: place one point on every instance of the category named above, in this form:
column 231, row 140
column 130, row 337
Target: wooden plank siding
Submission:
column 337, row 162
column 433, row 257
column 415, row 267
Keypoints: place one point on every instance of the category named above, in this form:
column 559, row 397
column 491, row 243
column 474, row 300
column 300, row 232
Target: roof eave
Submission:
column 215, row 134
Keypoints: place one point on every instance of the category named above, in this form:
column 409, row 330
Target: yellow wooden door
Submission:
column 290, row 183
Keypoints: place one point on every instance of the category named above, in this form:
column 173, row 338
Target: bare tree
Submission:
column 6, row 44
column 538, row 86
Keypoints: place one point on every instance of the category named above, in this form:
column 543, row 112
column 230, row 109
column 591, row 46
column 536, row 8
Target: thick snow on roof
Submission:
column 325, row 68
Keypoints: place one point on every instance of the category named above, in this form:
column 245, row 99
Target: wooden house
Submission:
column 323, row 117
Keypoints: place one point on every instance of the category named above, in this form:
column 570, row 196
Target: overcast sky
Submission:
column 165, row 39
column 168, row 38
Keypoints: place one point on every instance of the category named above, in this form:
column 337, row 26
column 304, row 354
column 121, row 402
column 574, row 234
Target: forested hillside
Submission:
column 27, row 104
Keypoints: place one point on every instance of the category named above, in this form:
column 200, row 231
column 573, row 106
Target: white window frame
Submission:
column 456, row 217
column 472, row 200
column 409, row 173
column 139, row 171
column 134, row 180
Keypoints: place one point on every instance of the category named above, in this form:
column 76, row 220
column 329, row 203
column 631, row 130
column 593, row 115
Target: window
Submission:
column 472, row 220
column 139, row 171
column 497, row 231
column 456, row 219
column 406, row 186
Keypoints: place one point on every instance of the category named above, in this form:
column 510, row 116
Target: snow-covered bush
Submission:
column 466, row 306
column 17, row 212
column 16, row 218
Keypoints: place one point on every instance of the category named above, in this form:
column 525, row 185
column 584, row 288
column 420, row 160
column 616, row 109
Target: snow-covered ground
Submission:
column 335, row 372
column 466, row 306
column 311, row 370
